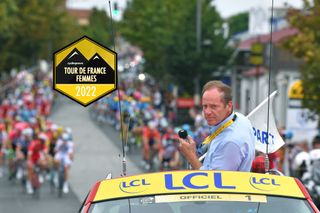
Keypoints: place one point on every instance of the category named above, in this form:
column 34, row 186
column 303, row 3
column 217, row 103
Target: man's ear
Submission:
column 230, row 106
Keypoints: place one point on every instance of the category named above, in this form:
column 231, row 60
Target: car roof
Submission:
column 195, row 181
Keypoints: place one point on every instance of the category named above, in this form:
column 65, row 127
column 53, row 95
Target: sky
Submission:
column 225, row 7
column 231, row 7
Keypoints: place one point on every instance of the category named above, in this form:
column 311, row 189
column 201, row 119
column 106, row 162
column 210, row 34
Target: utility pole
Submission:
column 198, row 49
column 198, row 25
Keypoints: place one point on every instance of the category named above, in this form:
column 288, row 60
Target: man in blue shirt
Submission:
column 231, row 145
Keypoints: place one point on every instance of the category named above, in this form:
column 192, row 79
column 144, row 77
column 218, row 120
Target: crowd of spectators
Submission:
column 149, row 123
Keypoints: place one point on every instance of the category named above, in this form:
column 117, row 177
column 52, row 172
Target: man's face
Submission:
column 214, row 109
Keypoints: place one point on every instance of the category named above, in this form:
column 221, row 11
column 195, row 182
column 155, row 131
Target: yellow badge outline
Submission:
column 88, row 47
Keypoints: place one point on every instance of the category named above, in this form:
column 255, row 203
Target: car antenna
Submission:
column 124, row 162
column 267, row 160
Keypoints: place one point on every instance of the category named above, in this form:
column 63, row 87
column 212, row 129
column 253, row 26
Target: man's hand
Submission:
column 188, row 150
column 187, row 146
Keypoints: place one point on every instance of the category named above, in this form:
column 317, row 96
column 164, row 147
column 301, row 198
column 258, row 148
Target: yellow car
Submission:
column 199, row 192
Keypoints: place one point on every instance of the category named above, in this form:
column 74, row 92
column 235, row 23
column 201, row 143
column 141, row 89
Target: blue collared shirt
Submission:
column 233, row 149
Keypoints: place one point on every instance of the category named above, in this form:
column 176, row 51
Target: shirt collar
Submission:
column 214, row 128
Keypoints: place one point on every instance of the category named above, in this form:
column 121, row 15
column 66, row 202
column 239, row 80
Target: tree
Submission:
column 147, row 25
column 37, row 28
column 238, row 23
column 8, row 11
column 306, row 45
column 99, row 27
column 166, row 32
column 189, row 64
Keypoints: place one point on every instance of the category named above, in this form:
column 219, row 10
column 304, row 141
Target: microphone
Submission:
column 183, row 134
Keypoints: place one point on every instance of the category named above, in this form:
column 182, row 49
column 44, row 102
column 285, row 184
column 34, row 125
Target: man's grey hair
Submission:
column 223, row 88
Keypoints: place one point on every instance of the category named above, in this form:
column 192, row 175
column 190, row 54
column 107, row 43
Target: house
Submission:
column 251, row 82
column 82, row 15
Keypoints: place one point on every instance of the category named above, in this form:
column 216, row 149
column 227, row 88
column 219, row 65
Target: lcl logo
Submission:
column 264, row 183
column 187, row 183
column 134, row 186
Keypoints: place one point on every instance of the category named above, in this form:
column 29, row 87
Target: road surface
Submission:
column 97, row 152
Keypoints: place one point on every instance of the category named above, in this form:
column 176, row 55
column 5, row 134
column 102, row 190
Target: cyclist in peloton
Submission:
column 3, row 139
column 64, row 154
column 37, row 152
column 151, row 143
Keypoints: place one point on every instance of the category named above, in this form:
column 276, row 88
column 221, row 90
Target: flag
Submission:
column 258, row 118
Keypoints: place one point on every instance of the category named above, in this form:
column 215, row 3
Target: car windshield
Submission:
column 203, row 203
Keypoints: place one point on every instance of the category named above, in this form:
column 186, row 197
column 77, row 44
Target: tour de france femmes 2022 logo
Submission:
column 85, row 71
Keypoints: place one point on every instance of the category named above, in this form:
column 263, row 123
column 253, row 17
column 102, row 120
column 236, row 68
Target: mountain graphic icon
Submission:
column 76, row 58
column 73, row 60
column 96, row 61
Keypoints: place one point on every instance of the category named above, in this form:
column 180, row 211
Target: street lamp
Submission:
column 141, row 77
column 256, row 59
